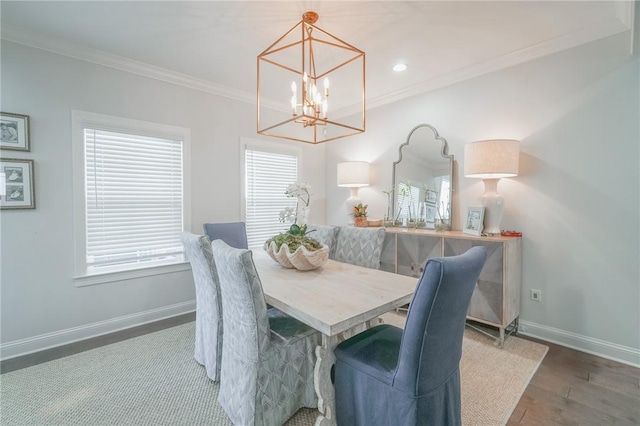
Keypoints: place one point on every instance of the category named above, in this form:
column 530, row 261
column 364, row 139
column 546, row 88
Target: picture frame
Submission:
column 430, row 196
column 14, row 132
column 19, row 184
column 473, row 225
column 430, row 214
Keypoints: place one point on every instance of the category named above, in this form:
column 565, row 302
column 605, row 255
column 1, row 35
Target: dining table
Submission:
column 337, row 299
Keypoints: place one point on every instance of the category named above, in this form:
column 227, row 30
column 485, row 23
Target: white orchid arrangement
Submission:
column 295, row 236
column 298, row 216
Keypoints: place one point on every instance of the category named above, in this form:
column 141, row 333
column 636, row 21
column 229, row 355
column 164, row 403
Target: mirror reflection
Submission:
column 423, row 181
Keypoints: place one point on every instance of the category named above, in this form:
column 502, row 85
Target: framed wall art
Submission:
column 474, row 223
column 18, row 191
column 431, row 196
column 430, row 214
column 14, row 134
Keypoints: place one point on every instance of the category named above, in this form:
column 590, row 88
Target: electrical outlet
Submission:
column 536, row 295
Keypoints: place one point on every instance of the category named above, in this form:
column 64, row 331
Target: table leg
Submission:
column 325, row 359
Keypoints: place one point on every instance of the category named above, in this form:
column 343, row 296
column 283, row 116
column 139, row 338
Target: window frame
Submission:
column 81, row 120
column 263, row 146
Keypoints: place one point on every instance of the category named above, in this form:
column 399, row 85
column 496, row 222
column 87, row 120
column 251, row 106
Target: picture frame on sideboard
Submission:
column 473, row 225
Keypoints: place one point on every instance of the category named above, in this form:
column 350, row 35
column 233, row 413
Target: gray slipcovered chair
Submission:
column 268, row 359
column 387, row 376
column 208, row 339
column 325, row 234
column 359, row 246
column 232, row 233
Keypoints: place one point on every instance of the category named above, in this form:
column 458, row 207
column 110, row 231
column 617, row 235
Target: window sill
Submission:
column 128, row 274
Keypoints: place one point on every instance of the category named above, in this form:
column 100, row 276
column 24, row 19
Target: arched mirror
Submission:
column 423, row 181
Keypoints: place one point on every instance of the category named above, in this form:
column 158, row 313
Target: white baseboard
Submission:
column 601, row 348
column 63, row 337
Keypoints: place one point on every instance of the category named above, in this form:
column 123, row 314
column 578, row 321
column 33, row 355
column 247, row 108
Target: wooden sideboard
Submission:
column 496, row 299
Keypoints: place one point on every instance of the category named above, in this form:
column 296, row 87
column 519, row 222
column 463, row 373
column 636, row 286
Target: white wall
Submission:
column 576, row 199
column 40, row 303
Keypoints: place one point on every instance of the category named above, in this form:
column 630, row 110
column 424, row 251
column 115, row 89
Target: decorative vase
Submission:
column 440, row 225
column 301, row 259
column 361, row 221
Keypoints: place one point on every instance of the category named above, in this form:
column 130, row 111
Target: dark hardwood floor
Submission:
column 569, row 388
column 575, row 388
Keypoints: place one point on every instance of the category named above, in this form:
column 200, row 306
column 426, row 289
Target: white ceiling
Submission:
column 212, row 45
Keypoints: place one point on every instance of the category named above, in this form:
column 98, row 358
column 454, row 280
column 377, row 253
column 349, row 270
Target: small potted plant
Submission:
column 360, row 215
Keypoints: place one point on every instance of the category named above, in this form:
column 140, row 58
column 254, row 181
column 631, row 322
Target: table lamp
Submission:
column 353, row 175
column 491, row 160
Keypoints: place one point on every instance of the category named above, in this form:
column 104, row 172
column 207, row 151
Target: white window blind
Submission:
column 267, row 176
column 134, row 198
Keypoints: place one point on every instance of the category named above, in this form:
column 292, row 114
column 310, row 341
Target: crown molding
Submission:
column 83, row 53
column 517, row 57
column 624, row 21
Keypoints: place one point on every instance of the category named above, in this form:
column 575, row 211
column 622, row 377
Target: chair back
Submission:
column 431, row 345
column 244, row 310
column 208, row 341
column 359, row 246
column 232, row 233
column 325, row 234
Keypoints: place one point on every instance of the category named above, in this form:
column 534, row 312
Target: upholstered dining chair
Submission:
column 325, row 234
column 268, row 360
column 232, row 233
column 389, row 376
column 208, row 339
column 359, row 246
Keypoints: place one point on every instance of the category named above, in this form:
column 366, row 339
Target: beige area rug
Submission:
column 154, row 380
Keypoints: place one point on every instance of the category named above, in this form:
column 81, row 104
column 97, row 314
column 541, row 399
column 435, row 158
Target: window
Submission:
column 267, row 175
column 132, row 199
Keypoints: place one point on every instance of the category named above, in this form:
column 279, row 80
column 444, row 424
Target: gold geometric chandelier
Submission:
column 294, row 78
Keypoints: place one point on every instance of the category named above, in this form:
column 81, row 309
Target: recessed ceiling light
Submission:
column 399, row 67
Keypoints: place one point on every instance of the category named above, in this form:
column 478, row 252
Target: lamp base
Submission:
column 351, row 202
column 493, row 204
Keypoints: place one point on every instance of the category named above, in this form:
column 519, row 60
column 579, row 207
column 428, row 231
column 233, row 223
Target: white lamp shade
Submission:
column 353, row 174
column 3, row 185
column 492, row 159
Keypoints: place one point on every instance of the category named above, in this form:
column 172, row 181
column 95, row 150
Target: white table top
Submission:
column 335, row 297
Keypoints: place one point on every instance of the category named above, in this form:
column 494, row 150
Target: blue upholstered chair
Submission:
column 268, row 359
column 359, row 246
column 208, row 347
column 387, row 376
column 232, row 233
